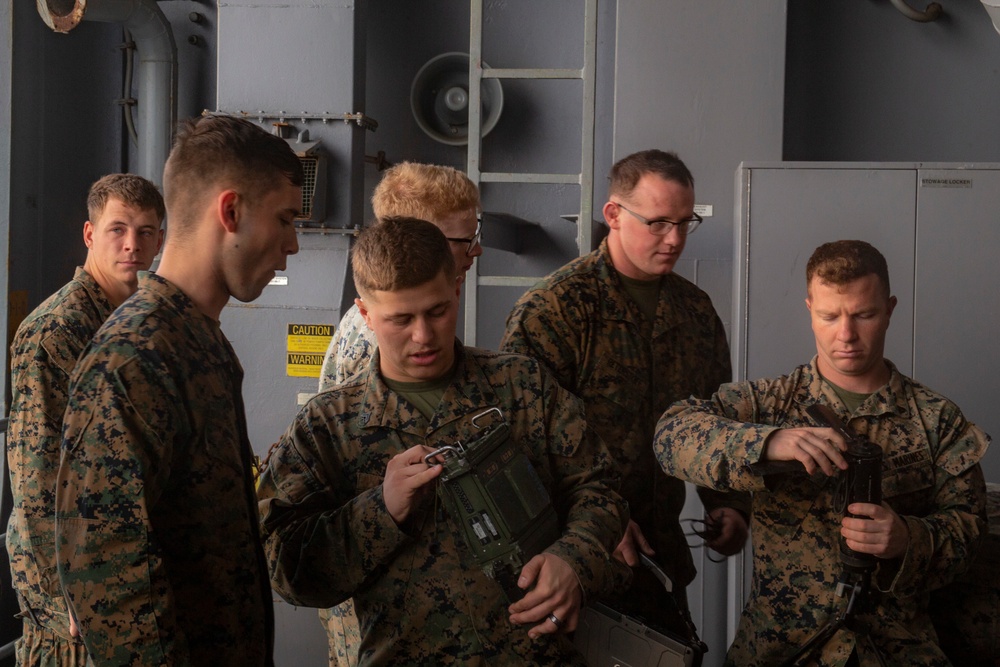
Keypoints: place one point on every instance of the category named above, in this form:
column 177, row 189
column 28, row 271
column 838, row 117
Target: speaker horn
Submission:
column 439, row 99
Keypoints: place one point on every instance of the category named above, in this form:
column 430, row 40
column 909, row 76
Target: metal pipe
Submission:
column 932, row 12
column 157, row 67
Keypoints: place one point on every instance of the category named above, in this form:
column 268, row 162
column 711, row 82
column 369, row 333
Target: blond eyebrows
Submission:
column 424, row 191
column 399, row 253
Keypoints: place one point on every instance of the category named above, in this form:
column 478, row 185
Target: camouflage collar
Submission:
column 615, row 303
column 97, row 294
column 468, row 392
column 890, row 399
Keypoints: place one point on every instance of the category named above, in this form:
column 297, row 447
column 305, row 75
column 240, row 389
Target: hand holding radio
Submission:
column 406, row 482
column 884, row 535
column 813, row 447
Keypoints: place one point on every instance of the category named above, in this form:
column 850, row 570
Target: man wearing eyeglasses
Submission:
column 627, row 335
column 445, row 197
column 440, row 195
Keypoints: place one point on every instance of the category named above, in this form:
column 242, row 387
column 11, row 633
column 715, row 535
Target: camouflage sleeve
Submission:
column 586, row 480
column 40, row 380
column 721, row 373
column 711, row 442
column 328, row 372
column 944, row 541
column 540, row 327
column 116, row 456
column 322, row 543
column 349, row 352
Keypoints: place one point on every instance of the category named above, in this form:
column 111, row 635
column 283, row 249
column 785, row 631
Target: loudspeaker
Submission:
column 439, row 99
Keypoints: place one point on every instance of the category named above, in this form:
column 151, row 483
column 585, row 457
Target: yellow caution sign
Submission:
column 307, row 344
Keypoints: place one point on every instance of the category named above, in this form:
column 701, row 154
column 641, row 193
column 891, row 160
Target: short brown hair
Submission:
column 425, row 191
column 842, row 262
column 217, row 148
column 129, row 189
column 625, row 173
column 399, row 253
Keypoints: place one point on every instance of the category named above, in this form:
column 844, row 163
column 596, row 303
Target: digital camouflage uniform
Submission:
column 420, row 599
column 349, row 351
column 158, row 544
column 931, row 478
column 352, row 346
column 45, row 350
column 584, row 328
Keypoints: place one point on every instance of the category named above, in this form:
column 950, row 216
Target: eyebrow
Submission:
column 410, row 312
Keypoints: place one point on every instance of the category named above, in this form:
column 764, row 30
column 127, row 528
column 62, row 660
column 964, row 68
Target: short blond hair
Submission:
column 424, row 191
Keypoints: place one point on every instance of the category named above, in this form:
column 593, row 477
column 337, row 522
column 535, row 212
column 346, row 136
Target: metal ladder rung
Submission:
column 508, row 281
column 527, row 73
column 585, row 179
column 511, row 177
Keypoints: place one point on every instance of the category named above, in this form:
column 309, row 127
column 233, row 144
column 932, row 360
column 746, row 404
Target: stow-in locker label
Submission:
column 306, row 346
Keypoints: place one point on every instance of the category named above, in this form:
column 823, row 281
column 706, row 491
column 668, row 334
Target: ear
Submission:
column 227, row 205
column 809, row 304
column 363, row 310
column 88, row 234
column 159, row 241
column 611, row 213
column 892, row 305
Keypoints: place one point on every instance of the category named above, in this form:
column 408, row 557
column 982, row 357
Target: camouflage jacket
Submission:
column 585, row 329
column 420, row 599
column 352, row 346
column 931, row 478
column 156, row 519
column 43, row 355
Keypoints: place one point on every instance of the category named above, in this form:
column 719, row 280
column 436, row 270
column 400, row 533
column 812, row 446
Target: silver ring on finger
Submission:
column 555, row 620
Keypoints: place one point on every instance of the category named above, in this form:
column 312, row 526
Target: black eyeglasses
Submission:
column 662, row 227
column 475, row 240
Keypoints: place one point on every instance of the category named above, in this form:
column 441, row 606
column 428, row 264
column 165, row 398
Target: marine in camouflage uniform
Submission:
column 122, row 236
column 586, row 330
column 419, row 597
column 446, row 198
column 931, row 478
column 159, row 550
column 44, row 352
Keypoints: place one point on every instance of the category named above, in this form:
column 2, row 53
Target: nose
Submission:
column 292, row 242
column 477, row 250
column 674, row 235
column 131, row 240
column 422, row 332
column 847, row 330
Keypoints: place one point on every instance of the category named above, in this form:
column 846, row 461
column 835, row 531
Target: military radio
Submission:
column 860, row 483
column 491, row 490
